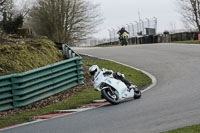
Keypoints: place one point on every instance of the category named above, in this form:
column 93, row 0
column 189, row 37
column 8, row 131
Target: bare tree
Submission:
column 7, row 6
column 22, row 7
column 14, row 8
column 2, row 4
column 12, row 14
column 68, row 21
column 190, row 11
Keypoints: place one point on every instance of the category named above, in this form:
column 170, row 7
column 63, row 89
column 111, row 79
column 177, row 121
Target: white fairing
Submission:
column 116, row 84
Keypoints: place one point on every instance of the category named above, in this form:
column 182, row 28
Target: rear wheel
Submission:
column 111, row 95
column 137, row 94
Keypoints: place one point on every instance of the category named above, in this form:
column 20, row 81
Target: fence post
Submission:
column 64, row 50
column 79, row 73
column 13, row 90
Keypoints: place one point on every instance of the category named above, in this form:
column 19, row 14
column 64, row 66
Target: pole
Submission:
column 142, row 26
column 148, row 22
column 155, row 23
column 114, row 33
column 132, row 28
column 128, row 28
column 110, row 36
column 137, row 26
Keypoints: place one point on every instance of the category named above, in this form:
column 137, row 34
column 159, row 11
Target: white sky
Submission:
column 122, row 12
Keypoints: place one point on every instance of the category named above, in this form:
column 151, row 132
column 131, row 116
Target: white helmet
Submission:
column 93, row 69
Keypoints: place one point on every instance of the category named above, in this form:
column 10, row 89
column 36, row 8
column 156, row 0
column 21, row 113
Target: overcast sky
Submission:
column 122, row 12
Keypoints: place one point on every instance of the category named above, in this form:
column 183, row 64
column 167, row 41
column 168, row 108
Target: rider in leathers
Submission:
column 94, row 70
column 121, row 31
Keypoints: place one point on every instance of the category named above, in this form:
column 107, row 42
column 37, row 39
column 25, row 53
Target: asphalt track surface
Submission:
column 173, row 103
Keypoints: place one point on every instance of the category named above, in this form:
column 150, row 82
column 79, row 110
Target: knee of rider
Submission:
column 115, row 75
column 119, row 75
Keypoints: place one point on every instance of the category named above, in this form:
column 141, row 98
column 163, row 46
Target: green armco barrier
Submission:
column 17, row 90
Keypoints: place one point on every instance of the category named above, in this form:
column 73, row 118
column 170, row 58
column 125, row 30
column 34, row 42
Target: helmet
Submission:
column 93, row 69
column 123, row 28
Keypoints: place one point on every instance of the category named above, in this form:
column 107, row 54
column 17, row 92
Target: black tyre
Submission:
column 125, row 42
column 137, row 94
column 110, row 95
column 122, row 43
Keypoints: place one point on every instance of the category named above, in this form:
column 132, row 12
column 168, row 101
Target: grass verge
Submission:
column 188, row 42
column 113, row 45
column 83, row 97
column 189, row 129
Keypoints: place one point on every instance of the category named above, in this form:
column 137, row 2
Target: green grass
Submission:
column 189, row 129
column 188, row 42
column 113, row 45
column 86, row 96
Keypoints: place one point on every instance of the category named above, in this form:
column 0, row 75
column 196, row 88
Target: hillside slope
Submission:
column 27, row 55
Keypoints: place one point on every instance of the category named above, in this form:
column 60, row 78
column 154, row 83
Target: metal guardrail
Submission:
column 68, row 52
column 17, row 90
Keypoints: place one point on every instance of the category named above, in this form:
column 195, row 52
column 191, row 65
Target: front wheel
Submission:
column 111, row 95
column 124, row 41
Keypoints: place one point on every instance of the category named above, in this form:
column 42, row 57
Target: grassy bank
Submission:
column 189, row 129
column 188, row 42
column 83, row 97
column 20, row 57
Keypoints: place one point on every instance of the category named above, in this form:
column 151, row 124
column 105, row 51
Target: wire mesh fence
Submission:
column 136, row 28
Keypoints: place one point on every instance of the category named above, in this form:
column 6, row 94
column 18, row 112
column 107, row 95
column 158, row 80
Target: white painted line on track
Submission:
column 74, row 110
column 99, row 101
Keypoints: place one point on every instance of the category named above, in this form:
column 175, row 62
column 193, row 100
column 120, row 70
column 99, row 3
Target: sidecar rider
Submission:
column 94, row 70
column 121, row 32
